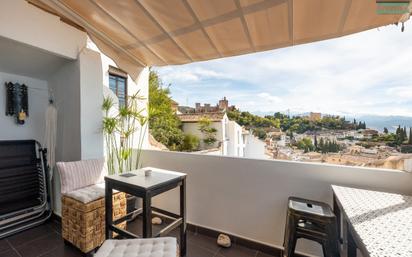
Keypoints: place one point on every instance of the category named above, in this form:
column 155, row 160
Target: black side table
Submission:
column 137, row 184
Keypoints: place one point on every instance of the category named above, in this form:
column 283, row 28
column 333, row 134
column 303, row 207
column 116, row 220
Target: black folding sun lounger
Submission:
column 24, row 199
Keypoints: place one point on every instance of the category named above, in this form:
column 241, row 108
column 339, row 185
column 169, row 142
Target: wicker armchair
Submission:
column 83, row 205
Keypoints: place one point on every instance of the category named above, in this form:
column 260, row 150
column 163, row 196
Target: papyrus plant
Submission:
column 121, row 128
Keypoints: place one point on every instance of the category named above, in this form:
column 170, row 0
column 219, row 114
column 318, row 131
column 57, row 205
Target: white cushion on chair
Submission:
column 79, row 174
column 148, row 247
column 88, row 194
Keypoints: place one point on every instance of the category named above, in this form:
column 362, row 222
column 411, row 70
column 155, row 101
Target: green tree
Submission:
column 385, row 130
column 405, row 135
column 164, row 124
column 305, row 144
column 410, row 136
column 321, row 144
column 190, row 143
column 260, row 133
column 209, row 132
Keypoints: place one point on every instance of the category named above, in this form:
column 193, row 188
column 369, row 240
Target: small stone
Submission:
column 157, row 221
column 224, row 240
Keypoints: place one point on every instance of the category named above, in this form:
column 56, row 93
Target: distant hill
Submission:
column 379, row 122
column 372, row 121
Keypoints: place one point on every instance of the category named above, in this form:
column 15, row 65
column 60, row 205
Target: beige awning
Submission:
column 138, row 33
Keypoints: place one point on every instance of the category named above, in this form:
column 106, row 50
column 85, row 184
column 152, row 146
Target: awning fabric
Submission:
column 139, row 33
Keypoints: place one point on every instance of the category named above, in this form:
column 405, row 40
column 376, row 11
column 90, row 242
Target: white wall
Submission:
column 28, row 24
column 255, row 148
column 38, row 101
column 139, row 86
column 91, row 99
column 248, row 197
column 66, row 91
column 235, row 139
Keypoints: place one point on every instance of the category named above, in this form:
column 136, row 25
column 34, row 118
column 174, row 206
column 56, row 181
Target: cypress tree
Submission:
column 410, row 136
column 321, row 144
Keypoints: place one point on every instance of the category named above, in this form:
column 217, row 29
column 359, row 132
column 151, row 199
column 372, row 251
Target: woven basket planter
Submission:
column 83, row 225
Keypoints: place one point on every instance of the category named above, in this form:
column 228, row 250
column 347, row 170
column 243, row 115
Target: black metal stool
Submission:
column 311, row 220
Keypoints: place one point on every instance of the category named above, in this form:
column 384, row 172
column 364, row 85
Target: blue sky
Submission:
column 364, row 73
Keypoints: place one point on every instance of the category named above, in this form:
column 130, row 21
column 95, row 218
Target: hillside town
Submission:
column 360, row 147
column 223, row 129
column 247, row 135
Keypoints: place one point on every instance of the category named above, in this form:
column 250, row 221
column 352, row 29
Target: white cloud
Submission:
column 189, row 74
column 368, row 72
column 270, row 98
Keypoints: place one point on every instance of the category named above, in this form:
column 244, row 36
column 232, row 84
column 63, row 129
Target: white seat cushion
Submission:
column 88, row 194
column 148, row 247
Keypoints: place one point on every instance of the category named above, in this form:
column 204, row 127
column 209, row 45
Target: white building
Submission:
column 230, row 137
column 236, row 139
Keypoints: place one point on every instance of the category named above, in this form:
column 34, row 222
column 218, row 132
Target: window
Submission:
column 118, row 84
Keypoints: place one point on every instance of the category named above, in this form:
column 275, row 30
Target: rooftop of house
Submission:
column 195, row 117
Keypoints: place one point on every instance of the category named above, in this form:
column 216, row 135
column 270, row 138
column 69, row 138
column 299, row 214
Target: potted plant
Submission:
column 124, row 130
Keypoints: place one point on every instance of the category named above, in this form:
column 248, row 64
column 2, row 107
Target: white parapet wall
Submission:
column 248, row 197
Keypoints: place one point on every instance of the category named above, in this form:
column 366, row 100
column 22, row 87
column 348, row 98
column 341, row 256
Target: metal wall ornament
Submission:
column 17, row 102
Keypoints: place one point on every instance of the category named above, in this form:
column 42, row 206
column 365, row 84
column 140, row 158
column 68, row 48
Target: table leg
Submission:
column 109, row 209
column 147, row 216
column 351, row 244
column 183, row 234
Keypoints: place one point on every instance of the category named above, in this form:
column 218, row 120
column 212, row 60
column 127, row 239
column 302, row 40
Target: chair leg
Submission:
column 290, row 237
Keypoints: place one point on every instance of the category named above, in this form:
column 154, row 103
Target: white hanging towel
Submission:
column 50, row 135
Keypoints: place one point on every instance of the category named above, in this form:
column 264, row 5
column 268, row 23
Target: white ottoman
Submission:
column 148, row 247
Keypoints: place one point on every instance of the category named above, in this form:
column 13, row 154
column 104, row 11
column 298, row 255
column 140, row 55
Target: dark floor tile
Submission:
column 236, row 251
column 196, row 251
column 10, row 253
column 46, row 241
column 55, row 226
column 260, row 254
column 29, row 235
column 204, row 242
column 63, row 250
column 40, row 246
column 4, row 245
column 136, row 228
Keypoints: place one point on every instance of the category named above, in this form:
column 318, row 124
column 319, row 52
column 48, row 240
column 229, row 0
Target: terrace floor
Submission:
column 45, row 241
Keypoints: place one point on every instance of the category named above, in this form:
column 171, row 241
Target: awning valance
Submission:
column 138, row 33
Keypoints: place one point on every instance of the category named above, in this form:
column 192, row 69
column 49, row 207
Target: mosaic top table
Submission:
column 378, row 224
column 137, row 184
